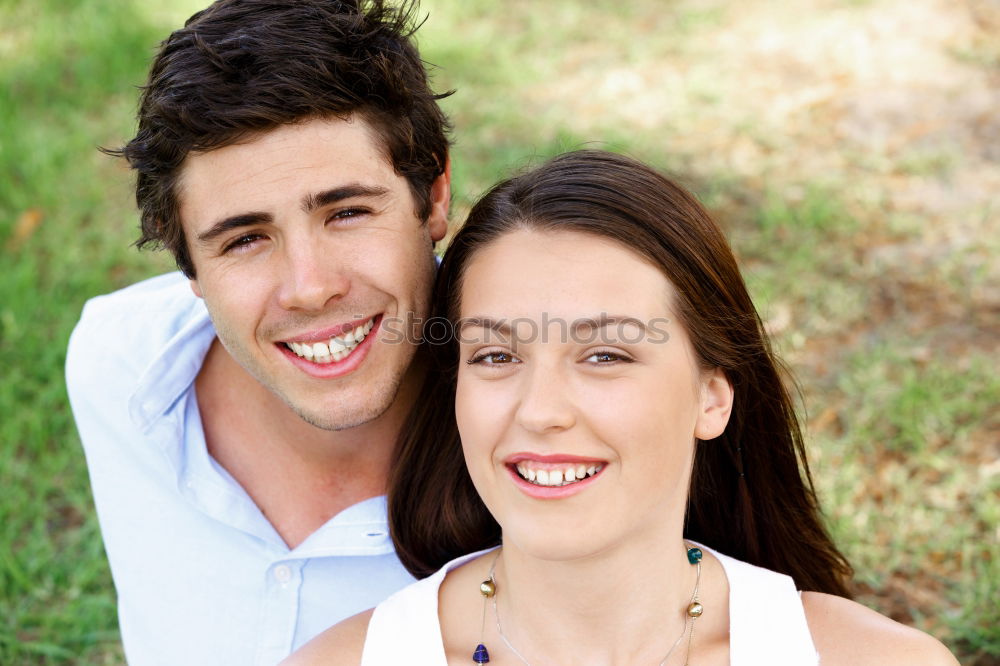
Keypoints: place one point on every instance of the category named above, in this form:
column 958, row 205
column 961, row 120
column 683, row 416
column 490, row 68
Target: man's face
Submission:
column 309, row 255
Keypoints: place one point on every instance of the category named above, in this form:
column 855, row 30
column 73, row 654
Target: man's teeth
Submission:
column 557, row 477
column 336, row 349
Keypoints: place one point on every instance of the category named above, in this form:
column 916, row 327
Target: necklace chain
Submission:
column 688, row 628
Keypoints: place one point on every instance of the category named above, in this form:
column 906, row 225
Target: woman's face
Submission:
column 579, row 397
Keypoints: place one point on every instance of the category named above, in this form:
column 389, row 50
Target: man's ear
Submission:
column 716, row 404
column 195, row 288
column 437, row 221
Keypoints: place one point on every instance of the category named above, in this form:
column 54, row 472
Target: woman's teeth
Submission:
column 557, row 477
column 336, row 349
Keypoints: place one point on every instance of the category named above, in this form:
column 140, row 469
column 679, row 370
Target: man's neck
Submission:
column 299, row 475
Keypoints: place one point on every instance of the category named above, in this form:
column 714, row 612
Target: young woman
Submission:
column 607, row 433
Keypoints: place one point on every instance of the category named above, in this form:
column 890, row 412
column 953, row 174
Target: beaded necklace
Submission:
column 488, row 588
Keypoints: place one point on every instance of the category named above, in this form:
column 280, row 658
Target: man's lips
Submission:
column 336, row 331
column 336, row 362
column 322, row 348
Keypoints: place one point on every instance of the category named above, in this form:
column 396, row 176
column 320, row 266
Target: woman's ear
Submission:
column 716, row 404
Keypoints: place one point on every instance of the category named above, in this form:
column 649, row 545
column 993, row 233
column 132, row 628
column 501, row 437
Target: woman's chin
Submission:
column 556, row 545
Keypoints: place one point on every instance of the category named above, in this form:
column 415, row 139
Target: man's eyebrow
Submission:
column 234, row 222
column 499, row 325
column 593, row 323
column 312, row 202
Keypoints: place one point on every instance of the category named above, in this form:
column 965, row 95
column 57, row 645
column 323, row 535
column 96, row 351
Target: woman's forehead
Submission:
column 568, row 274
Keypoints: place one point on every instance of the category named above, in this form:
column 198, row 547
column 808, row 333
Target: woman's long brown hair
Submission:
column 751, row 496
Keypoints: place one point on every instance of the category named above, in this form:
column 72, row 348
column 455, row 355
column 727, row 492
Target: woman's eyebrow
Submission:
column 579, row 327
column 603, row 320
column 499, row 325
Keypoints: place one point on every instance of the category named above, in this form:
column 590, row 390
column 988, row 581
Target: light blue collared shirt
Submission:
column 202, row 576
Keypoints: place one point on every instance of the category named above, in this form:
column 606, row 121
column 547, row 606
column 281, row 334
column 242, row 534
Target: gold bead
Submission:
column 487, row 588
column 695, row 609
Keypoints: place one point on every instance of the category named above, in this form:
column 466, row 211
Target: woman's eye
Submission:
column 492, row 358
column 607, row 357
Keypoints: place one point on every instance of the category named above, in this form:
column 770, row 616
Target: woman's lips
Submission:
column 551, row 476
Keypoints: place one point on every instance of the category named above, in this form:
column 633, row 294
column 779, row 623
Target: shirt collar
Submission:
column 173, row 369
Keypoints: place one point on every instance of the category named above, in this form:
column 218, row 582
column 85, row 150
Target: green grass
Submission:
column 62, row 93
column 903, row 487
column 888, row 336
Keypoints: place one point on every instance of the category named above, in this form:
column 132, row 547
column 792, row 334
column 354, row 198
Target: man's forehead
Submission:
column 349, row 132
column 282, row 165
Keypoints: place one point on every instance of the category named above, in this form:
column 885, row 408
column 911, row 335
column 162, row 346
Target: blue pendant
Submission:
column 694, row 555
column 481, row 656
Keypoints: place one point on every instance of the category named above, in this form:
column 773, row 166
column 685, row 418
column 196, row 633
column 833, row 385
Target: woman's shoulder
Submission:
column 845, row 632
column 342, row 643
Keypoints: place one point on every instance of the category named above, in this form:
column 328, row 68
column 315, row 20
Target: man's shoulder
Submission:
column 167, row 295
column 125, row 329
column 149, row 312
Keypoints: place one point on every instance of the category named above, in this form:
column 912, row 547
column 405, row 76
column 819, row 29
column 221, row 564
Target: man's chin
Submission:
column 346, row 415
column 338, row 422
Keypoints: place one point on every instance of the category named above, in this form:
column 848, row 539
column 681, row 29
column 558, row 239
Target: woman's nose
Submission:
column 545, row 404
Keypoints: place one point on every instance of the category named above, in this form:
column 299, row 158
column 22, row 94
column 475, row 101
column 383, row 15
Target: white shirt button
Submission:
column 282, row 573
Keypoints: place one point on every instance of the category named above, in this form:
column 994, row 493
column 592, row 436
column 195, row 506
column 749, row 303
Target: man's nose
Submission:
column 311, row 278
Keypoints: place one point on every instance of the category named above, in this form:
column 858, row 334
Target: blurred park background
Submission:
column 850, row 148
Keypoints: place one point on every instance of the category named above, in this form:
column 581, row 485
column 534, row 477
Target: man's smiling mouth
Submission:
column 335, row 349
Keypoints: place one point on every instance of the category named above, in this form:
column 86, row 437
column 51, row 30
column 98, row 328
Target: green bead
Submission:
column 694, row 555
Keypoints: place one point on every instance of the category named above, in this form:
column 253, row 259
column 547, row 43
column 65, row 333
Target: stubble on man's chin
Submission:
column 347, row 416
column 324, row 422
column 401, row 388
column 344, row 416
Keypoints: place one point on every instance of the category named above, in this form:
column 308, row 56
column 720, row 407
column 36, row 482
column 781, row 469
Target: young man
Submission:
column 239, row 417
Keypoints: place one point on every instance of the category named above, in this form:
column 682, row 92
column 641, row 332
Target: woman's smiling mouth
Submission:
column 553, row 476
column 563, row 476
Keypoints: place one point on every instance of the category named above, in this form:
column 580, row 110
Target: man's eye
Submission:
column 241, row 243
column 492, row 358
column 347, row 213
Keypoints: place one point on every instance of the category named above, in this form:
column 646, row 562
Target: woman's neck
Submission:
column 557, row 611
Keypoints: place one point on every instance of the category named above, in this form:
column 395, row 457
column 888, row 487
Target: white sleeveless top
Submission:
column 767, row 624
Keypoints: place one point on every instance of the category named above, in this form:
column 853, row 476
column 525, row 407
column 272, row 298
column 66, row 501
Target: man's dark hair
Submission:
column 245, row 66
